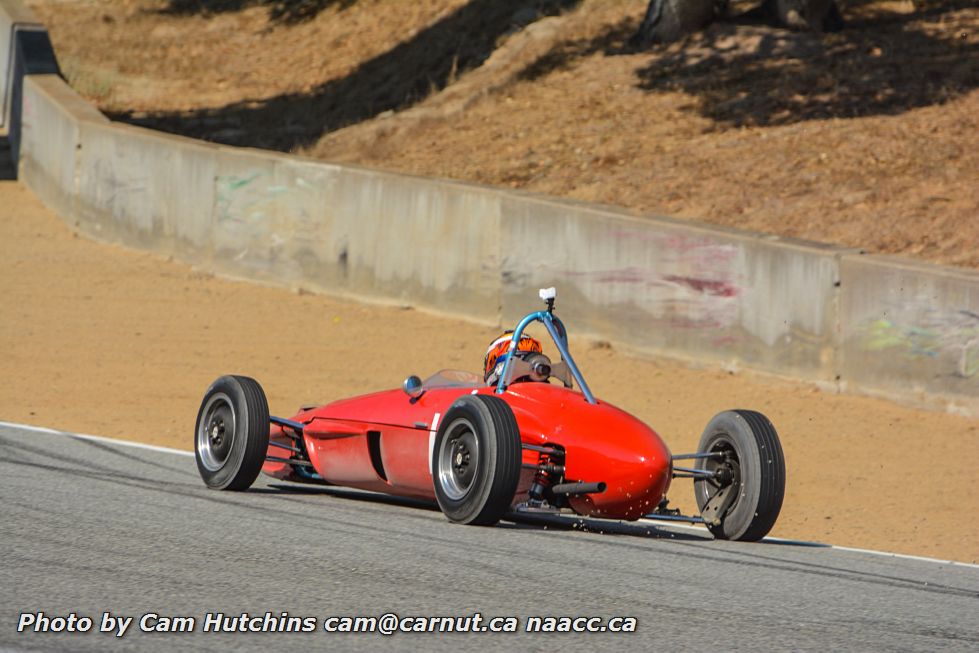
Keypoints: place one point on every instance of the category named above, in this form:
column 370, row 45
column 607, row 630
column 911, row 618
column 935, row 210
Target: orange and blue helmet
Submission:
column 500, row 346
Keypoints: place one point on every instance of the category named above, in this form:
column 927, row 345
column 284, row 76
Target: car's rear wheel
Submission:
column 743, row 499
column 476, row 460
column 231, row 437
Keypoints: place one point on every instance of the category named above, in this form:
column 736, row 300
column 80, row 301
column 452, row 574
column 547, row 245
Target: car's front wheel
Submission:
column 743, row 498
column 231, row 437
column 476, row 460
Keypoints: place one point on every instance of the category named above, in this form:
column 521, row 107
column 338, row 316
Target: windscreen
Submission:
column 453, row 379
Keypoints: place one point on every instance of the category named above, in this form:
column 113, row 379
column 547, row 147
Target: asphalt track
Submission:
column 89, row 527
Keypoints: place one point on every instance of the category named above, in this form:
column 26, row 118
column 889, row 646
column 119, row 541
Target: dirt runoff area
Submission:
column 865, row 138
column 104, row 340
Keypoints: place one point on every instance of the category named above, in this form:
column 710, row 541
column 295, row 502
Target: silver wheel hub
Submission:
column 216, row 432
column 458, row 460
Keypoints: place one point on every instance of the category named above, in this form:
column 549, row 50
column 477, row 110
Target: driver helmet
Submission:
column 496, row 354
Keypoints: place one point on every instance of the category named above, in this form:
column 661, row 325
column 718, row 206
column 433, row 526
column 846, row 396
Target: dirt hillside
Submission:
column 866, row 138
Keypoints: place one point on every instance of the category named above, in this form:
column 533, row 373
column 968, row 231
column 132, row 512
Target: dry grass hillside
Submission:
column 865, row 138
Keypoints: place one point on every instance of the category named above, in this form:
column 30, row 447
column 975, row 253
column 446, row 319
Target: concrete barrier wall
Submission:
column 268, row 220
column 357, row 232
column 25, row 49
column 911, row 329
column 421, row 241
column 146, row 189
column 876, row 324
column 12, row 15
column 261, row 215
column 52, row 117
column 657, row 283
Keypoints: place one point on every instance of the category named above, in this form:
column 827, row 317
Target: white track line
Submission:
column 906, row 556
column 97, row 438
column 698, row 529
column 778, row 540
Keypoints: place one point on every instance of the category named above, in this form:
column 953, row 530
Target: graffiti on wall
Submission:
column 935, row 332
column 255, row 196
column 691, row 282
column 244, row 198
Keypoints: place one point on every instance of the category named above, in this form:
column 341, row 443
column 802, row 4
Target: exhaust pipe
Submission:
column 578, row 488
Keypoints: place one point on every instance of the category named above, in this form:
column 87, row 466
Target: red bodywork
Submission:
column 383, row 442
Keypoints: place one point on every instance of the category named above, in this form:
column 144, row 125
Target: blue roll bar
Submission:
column 555, row 328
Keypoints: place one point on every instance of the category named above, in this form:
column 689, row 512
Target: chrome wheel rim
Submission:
column 458, row 460
column 216, row 432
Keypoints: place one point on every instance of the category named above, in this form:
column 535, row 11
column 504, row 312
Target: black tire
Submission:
column 231, row 437
column 756, row 468
column 476, row 460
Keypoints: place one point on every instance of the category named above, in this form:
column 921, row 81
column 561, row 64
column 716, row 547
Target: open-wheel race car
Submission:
column 526, row 441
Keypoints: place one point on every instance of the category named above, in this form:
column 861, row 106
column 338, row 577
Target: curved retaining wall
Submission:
column 24, row 49
column 871, row 323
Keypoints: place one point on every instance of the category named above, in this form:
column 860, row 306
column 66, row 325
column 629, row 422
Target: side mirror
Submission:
column 413, row 387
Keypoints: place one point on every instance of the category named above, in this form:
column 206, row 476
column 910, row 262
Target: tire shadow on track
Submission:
column 346, row 493
column 572, row 522
column 517, row 520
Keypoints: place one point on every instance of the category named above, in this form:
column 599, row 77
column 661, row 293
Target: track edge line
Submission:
column 98, row 438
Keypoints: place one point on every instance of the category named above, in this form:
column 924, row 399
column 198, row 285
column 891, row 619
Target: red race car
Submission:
column 520, row 438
